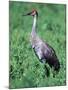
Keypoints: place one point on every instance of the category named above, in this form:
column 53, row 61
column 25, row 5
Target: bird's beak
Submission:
column 27, row 14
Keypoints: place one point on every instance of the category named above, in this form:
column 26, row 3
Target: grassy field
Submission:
column 25, row 69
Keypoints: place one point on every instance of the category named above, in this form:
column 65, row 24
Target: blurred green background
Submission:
column 25, row 68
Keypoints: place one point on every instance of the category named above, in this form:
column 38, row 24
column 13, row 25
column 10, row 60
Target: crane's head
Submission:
column 32, row 13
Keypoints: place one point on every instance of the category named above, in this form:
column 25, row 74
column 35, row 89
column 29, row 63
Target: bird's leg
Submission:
column 54, row 72
column 47, row 71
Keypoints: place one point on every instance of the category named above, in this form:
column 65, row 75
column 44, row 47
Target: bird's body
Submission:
column 44, row 51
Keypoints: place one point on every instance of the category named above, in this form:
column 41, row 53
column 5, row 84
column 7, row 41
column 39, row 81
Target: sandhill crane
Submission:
column 44, row 51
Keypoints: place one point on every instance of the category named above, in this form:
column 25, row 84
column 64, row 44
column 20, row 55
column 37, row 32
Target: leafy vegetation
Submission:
column 25, row 68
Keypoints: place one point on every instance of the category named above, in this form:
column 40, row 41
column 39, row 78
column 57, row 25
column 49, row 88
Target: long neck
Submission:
column 33, row 33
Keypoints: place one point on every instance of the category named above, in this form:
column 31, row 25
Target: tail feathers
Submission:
column 57, row 66
column 54, row 62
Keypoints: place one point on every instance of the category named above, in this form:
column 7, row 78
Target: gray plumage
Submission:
column 44, row 52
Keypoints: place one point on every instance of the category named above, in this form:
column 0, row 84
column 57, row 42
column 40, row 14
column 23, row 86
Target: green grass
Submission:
column 25, row 68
